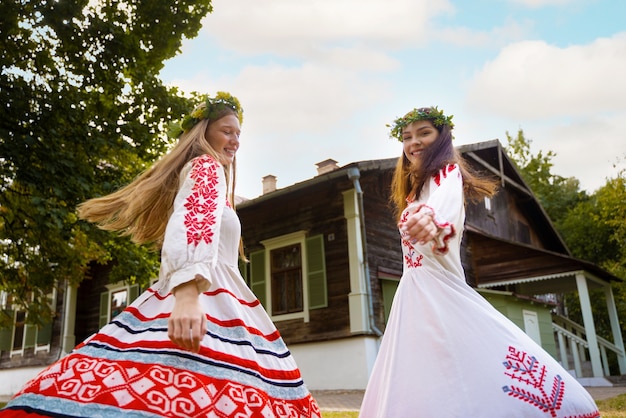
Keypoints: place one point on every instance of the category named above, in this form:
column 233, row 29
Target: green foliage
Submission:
column 556, row 194
column 83, row 112
column 432, row 114
column 592, row 226
column 596, row 231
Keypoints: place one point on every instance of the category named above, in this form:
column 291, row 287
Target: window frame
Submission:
column 30, row 332
column 487, row 201
column 111, row 289
column 285, row 278
column 298, row 237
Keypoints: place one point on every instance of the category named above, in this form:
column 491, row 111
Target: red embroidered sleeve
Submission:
column 201, row 204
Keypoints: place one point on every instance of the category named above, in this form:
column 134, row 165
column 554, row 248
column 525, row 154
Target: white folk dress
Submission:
column 448, row 353
column 131, row 369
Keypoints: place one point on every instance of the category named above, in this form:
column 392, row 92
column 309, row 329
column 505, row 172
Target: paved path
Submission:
column 350, row 400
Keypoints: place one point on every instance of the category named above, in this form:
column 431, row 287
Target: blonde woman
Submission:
column 198, row 342
column 447, row 352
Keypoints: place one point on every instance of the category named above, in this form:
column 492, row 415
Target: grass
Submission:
column 609, row 408
column 613, row 407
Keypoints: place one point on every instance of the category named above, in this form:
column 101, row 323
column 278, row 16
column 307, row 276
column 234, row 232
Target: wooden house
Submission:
column 325, row 261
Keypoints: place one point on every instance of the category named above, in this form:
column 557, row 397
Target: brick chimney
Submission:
column 326, row 166
column 269, row 183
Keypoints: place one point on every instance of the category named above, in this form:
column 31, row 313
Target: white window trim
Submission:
column 116, row 287
column 487, row 201
column 53, row 305
column 3, row 299
column 298, row 237
column 37, row 348
column 19, row 352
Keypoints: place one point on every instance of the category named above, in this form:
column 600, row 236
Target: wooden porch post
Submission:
column 615, row 327
column 590, row 328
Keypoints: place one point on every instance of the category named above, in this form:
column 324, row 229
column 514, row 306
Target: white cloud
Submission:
column 310, row 98
column 541, row 3
column 332, row 95
column 289, row 28
column 509, row 31
column 297, row 116
column 534, row 80
column 592, row 149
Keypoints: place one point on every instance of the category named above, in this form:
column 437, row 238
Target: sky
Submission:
column 321, row 79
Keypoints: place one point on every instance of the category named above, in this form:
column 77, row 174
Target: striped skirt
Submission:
column 130, row 368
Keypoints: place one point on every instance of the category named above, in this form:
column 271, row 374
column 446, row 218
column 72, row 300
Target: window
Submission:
column 119, row 301
column 286, row 279
column 488, row 203
column 115, row 300
column 22, row 335
column 523, row 232
column 18, row 333
column 289, row 275
column 4, row 300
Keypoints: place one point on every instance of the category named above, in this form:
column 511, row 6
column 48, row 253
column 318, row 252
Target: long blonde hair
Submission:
column 142, row 208
column 409, row 181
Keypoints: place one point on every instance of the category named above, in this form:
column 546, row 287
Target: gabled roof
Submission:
column 500, row 262
column 368, row 165
column 491, row 156
column 488, row 154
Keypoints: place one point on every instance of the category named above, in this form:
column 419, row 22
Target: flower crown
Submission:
column 432, row 114
column 209, row 109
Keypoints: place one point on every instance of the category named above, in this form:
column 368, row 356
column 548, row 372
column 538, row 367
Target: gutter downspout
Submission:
column 354, row 174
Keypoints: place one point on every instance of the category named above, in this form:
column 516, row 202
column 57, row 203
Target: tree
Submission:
column 83, row 112
column 592, row 226
column 556, row 194
column 596, row 231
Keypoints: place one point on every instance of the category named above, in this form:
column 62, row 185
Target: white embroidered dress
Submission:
column 447, row 352
column 130, row 368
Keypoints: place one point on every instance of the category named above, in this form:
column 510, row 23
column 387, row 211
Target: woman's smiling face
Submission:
column 416, row 137
column 223, row 135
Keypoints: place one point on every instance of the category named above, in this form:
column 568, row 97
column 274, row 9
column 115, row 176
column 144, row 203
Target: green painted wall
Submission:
column 513, row 308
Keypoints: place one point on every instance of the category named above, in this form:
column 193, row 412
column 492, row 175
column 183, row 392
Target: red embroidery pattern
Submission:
column 412, row 258
column 441, row 225
column 443, row 173
column 525, row 369
column 201, row 204
column 161, row 390
column 533, row 384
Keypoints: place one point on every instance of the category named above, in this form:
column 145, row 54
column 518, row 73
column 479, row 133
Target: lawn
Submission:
column 613, row 407
column 609, row 408
column 340, row 414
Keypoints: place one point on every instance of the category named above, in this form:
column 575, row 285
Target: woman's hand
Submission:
column 419, row 227
column 187, row 323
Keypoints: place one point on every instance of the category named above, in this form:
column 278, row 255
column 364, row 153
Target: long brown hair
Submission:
column 408, row 180
column 142, row 208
